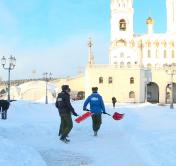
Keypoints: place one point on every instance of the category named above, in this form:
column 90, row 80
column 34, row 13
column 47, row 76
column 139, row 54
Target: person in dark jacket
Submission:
column 65, row 110
column 96, row 107
column 4, row 106
column 114, row 101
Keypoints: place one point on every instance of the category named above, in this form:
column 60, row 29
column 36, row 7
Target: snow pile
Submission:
column 145, row 137
column 18, row 155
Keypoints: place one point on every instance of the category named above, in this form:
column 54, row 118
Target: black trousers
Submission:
column 96, row 121
column 66, row 125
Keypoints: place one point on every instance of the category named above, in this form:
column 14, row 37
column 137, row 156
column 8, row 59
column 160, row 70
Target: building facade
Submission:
column 141, row 67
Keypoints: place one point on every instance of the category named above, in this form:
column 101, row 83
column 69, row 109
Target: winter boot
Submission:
column 64, row 139
column 95, row 133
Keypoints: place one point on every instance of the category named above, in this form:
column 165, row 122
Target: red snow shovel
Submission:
column 83, row 117
column 117, row 116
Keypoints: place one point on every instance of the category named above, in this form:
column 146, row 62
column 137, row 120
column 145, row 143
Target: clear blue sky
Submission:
column 51, row 35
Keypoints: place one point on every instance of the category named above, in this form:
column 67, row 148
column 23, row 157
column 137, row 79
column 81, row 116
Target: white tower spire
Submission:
column 171, row 16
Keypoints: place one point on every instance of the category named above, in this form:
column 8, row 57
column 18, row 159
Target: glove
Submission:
column 86, row 110
column 75, row 114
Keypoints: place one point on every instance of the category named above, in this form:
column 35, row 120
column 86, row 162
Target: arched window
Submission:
column 128, row 64
column 110, row 80
column 132, row 80
column 131, row 95
column 100, row 80
column 121, row 64
column 122, row 25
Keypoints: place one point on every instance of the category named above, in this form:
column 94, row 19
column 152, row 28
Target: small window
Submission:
column 121, row 64
column 132, row 80
column 128, row 64
column 110, row 80
column 100, row 80
column 131, row 95
column 122, row 25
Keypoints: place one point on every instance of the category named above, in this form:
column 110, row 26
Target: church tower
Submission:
column 121, row 19
column 122, row 33
column 171, row 16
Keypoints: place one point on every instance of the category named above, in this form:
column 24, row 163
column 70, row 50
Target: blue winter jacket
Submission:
column 96, row 103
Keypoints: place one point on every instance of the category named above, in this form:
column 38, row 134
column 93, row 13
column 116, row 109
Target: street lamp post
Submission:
column 47, row 77
column 11, row 66
column 171, row 70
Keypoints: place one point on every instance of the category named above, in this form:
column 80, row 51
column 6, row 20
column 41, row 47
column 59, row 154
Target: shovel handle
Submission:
column 107, row 114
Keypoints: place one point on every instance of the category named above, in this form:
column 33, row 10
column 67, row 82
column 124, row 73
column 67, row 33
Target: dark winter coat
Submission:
column 63, row 104
column 96, row 103
column 4, row 105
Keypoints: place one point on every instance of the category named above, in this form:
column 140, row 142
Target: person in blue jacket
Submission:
column 96, row 107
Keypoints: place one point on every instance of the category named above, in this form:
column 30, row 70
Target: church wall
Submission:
column 120, row 87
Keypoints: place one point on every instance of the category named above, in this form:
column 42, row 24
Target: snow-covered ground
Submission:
column 145, row 137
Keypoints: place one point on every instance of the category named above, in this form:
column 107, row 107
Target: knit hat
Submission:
column 94, row 89
column 65, row 87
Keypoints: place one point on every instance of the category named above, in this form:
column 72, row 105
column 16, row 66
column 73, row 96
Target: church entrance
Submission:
column 168, row 93
column 152, row 92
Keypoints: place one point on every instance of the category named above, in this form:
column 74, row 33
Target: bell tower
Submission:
column 121, row 19
column 122, row 33
column 171, row 16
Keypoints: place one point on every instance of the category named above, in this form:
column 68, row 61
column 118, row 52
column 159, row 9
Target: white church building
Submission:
column 141, row 67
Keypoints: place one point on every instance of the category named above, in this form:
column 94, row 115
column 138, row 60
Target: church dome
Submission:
column 149, row 21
